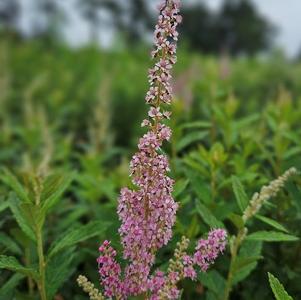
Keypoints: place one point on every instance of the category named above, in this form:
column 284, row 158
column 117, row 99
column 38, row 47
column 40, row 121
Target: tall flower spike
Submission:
column 148, row 213
column 89, row 288
column 266, row 193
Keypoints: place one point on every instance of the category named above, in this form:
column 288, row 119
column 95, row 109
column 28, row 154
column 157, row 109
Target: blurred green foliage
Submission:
column 78, row 112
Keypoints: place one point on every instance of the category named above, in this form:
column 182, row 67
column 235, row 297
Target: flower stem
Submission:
column 234, row 247
column 42, row 265
column 30, row 281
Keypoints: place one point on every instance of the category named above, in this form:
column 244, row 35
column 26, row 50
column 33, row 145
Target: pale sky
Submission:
column 285, row 14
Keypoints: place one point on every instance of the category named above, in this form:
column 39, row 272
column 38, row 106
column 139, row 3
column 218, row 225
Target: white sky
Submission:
column 286, row 14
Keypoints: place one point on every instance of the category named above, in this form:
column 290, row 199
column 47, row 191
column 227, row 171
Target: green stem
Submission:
column 42, row 265
column 30, row 282
column 234, row 250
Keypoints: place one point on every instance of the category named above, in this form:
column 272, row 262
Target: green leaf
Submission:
column 9, row 179
column 33, row 215
column 196, row 124
column 12, row 264
column 214, row 281
column 22, row 221
column 272, row 236
column 278, row 289
column 59, row 270
column 190, row 139
column 77, row 235
column 240, row 194
column 272, row 223
column 248, row 249
column 179, row 187
column 3, row 204
column 9, row 243
column 295, row 194
column 54, row 186
column 243, row 262
column 236, row 220
column 207, row 216
column 8, row 288
column 199, row 186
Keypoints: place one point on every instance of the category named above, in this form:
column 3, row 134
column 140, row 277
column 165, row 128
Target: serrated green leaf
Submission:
column 271, row 236
column 12, row 264
column 190, row 139
column 10, row 285
column 198, row 185
column 243, row 262
column 214, row 281
column 3, row 204
column 278, row 289
column 196, row 124
column 248, row 248
column 54, row 186
column 272, row 223
column 32, row 214
column 14, row 205
column 9, row 243
column 207, row 216
column 77, row 235
column 236, row 220
column 11, row 180
column 295, row 194
column 59, row 270
column 240, row 194
column 179, row 187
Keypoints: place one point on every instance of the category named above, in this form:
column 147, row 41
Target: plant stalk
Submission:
column 234, row 250
column 42, row 265
column 30, row 282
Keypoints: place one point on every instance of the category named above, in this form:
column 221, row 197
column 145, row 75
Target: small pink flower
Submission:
column 167, row 114
column 154, row 112
column 145, row 123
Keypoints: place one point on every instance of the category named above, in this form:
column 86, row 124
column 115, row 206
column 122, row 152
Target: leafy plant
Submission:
column 31, row 203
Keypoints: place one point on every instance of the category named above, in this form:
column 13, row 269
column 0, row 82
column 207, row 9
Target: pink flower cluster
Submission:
column 109, row 271
column 183, row 266
column 148, row 213
column 208, row 250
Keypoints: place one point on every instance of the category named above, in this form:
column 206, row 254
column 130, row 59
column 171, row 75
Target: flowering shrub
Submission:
column 50, row 124
column 148, row 213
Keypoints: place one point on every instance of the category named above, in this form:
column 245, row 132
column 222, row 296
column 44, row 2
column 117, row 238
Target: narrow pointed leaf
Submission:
column 207, row 216
column 54, row 186
column 248, row 249
column 59, row 270
column 240, row 194
column 11, row 180
column 8, row 288
column 278, row 289
column 236, row 220
column 190, row 139
column 77, row 235
column 22, row 221
column 243, row 262
column 213, row 280
column 272, row 223
column 10, row 244
column 3, row 204
column 272, row 236
column 12, row 264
